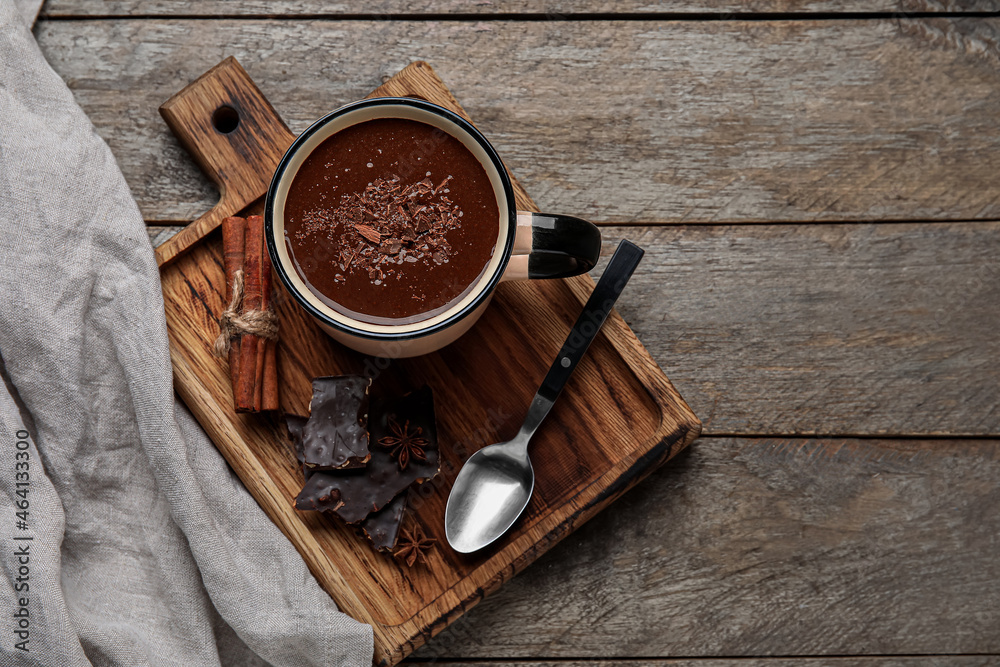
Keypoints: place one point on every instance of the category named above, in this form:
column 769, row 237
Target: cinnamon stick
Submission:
column 233, row 234
column 269, row 383
column 246, row 389
column 270, row 400
column 265, row 303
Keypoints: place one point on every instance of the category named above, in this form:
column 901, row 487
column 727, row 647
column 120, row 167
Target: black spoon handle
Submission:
column 621, row 267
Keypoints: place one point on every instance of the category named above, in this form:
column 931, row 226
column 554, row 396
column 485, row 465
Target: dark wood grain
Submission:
column 618, row 121
column 756, row 547
column 550, row 9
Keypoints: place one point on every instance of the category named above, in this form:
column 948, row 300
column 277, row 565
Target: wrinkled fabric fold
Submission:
column 146, row 549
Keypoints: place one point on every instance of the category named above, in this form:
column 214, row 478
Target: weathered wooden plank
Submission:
column 160, row 233
column 769, row 547
column 827, row 329
column 616, row 121
column 831, row 329
column 552, row 9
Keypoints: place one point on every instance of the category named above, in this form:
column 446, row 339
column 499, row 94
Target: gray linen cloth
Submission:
column 144, row 548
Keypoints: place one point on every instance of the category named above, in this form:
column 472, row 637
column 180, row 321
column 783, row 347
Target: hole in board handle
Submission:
column 225, row 119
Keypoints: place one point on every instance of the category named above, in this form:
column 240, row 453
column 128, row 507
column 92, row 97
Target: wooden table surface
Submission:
column 817, row 185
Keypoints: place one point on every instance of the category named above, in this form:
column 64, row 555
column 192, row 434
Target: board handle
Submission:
column 235, row 136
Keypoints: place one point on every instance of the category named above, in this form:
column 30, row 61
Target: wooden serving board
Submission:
column 617, row 420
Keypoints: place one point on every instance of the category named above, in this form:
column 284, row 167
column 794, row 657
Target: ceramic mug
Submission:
column 529, row 245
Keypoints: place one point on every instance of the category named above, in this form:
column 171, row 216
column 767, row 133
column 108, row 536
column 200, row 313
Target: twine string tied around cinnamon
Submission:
column 232, row 325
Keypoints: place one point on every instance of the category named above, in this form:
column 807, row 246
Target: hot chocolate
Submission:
column 391, row 221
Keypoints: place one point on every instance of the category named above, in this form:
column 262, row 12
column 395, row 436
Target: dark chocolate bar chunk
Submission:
column 354, row 494
column 295, row 425
column 382, row 527
column 334, row 437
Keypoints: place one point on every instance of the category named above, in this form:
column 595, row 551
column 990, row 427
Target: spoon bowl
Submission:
column 489, row 494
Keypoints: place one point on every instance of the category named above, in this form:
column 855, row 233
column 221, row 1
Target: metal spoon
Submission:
column 495, row 484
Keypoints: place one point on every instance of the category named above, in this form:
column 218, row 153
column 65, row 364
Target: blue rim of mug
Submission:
column 484, row 292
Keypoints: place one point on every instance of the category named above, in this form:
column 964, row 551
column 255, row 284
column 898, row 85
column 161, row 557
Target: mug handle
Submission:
column 552, row 246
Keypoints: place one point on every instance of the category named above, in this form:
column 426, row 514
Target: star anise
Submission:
column 405, row 444
column 413, row 546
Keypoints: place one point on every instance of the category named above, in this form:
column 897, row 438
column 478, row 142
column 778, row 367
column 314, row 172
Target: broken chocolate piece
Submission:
column 382, row 527
column 334, row 437
column 391, row 246
column 369, row 232
column 295, row 425
column 354, row 494
column 443, row 183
